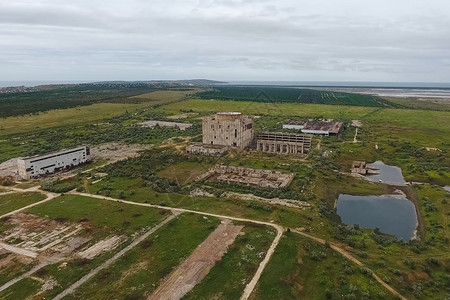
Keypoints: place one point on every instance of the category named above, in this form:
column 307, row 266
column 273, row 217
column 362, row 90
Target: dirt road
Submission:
column 49, row 195
column 192, row 271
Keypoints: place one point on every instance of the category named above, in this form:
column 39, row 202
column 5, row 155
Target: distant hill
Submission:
column 202, row 82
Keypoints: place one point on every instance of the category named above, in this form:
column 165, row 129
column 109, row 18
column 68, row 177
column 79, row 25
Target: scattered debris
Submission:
column 277, row 201
column 200, row 192
column 102, row 246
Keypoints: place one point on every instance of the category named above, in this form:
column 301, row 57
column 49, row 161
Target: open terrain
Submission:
column 142, row 216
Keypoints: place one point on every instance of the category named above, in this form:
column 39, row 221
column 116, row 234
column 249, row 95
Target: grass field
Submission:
column 419, row 104
column 65, row 117
column 302, row 269
column 11, row 202
column 21, row 290
column 85, row 114
column 184, row 172
column 100, row 213
column 228, row 278
column 137, row 274
column 278, row 109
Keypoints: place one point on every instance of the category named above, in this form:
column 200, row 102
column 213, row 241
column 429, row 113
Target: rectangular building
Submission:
column 283, row 143
column 228, row 129
column 315, row 127
column 33, row 167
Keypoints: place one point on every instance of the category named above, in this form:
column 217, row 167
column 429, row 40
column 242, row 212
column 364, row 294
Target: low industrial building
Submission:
column 151, row 124
column 315, row 127
column 248, row 176
column 283, row 143
column 35, row 166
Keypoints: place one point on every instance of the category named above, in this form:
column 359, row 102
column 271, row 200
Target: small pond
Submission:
column 391, row 214
column 387, row 174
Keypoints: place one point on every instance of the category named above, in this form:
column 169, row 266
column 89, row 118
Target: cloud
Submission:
column 228, row 40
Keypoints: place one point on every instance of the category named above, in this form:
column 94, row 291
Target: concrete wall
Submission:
column 228, row 129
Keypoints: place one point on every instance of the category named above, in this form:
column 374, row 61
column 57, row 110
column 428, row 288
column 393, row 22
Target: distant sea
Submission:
column 37, row 82
column 369, row 84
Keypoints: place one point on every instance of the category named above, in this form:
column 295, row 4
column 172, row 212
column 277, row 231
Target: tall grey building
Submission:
column 228, row 129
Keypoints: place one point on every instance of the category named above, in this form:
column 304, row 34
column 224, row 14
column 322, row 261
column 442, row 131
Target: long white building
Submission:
column 35, row 166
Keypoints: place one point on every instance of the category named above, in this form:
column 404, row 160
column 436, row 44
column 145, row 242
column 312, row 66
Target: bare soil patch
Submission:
column 114, row 152
column 198, row 264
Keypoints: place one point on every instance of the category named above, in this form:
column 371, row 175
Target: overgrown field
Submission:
column 304, row 269
column 139, row 272
column 100, row 219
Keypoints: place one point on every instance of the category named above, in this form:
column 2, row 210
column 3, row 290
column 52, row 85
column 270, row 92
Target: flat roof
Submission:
column 331, row 127
column 49, row 155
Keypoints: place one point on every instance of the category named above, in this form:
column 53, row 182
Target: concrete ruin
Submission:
column 248, row 176
column 231, row 129
column 151, row 124
column 361, row 167
column 283, row 143
column 205, row 149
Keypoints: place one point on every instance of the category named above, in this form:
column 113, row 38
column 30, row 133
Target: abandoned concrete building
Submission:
column 35, row 166
column 283, row 143
column 228, row 129
column 248, row 176
column 315, row 127
column 221, row 131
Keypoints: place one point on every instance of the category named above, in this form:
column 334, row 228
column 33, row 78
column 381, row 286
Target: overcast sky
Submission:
column 320, row 40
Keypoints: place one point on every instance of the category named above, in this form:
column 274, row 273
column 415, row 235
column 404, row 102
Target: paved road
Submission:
column 110, row 261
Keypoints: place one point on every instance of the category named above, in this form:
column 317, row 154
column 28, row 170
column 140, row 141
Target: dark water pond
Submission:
column 387, row 174
column 392, row 215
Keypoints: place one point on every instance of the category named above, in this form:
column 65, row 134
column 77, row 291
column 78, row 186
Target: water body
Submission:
column 447, row 188
column 387, row 174
column 391, row 214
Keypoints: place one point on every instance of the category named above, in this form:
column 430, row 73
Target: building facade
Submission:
column 228, row 129
column 33, row 167
column 283, row 143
